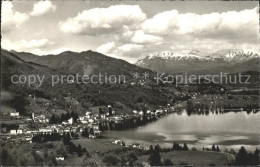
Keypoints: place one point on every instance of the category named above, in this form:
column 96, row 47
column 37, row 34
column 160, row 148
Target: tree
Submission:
column 38, row 159
column 91, row 131
column 218, row 150
column 85, row 133
column 213, row 148
column 53, row 162
column 23, row 161
column 167, row 162
column 131, row 158
column 176, row 146
column 75, row 116
column 155, row 158
column 110, row 111
column 185, row 147
column 100, row 111
column 151, row 149
column 66, row 138
column 4, row 157
column 241, row 158
column 140, row 100
column 256, row 157
column 79, row 150
column 61, row 150
column 53, row 119
column 110, row 160
column 63, row 117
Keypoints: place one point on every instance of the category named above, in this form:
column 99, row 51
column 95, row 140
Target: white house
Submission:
column 28, row 139
column 14, row 114
column 59, row 158
column 45, row 130
column 136, row 145
column 81, row 118
column 117, row 142
column 118, row 118
column 114, row 112
column 19, row 131
column 84, row 122
column 13, row 132
column 134, row 111
column 88, row 113
column 90, row 120
column 157, row 112
column 70, row 121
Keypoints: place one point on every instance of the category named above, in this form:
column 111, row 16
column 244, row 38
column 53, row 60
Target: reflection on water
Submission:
column 228, row 130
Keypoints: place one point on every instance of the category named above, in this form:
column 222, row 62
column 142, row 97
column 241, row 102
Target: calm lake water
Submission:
column 228, row 130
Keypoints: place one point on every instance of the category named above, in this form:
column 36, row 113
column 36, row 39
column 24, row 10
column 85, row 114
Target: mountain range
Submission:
column 124, row 97
column 198, row 62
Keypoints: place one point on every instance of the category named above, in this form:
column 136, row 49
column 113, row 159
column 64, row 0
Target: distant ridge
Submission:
column 195, row 61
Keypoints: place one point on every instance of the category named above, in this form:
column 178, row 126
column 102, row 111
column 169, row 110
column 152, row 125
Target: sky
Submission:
column 129, row 30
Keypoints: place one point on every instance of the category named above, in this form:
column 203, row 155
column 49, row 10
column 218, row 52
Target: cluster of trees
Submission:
column 110, row 159
column 244, row 158
column 6, row 159
column 86, row 132
column 155, row 157
column 63, row 117
column 18, row 156
column 45, row 137
column 213, row 148
column 177, row 147
column 76, row 149
column 129, row 159
column 72, row 148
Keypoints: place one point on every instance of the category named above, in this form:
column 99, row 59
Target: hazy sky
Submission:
column 129, row 30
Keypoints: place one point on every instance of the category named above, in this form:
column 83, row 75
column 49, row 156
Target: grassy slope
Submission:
column 96, row 145
column 202, row 158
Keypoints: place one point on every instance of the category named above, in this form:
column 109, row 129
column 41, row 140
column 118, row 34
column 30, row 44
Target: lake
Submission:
column 228, row 130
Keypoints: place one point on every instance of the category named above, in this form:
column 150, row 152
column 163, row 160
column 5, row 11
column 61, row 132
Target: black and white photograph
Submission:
column 129, row 83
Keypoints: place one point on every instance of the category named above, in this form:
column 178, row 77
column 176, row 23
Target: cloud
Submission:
column 130, row 47
column 232, row 24
column 140, row 37
column 42, row 7
column 106, row 48
column 36, row 43
column 11, row 19
column 127, row 32
column 126, row 51
column 24, row 45
column 103, row 20
column 41, row 52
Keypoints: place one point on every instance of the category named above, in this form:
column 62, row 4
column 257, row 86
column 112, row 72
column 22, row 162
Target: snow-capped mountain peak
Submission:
column 235, row 55
column 184, row 55
column 227, row 55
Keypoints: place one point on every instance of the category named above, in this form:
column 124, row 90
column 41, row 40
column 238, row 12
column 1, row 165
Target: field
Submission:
column 203, row 158
column 93, row 145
